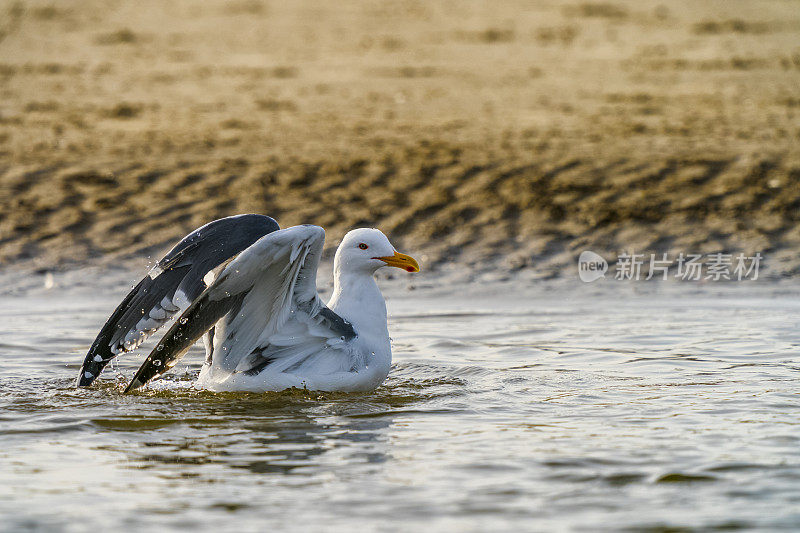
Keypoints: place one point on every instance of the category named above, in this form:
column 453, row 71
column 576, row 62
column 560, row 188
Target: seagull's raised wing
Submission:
column 267, row 289
column 172, row 284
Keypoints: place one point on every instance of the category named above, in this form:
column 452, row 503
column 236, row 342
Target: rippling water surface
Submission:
column 558, row 406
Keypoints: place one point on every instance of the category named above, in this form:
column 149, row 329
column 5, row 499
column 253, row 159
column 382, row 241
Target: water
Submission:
column 560, row 406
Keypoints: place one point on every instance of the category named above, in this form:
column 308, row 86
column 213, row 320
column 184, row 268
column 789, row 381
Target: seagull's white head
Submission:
column 366, row 250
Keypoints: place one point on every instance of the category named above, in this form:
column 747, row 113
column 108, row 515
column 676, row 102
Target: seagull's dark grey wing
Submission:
column 172, row 285
column 267, row 285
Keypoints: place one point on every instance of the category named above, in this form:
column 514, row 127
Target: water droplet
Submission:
column 160, row 347
column 184, row 320
column 156, row 363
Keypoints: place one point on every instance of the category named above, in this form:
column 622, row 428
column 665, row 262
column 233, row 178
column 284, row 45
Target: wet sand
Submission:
column 514, row 135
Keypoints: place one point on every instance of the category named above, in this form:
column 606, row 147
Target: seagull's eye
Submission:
column 363, row 246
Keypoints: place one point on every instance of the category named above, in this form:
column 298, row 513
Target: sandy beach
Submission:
column 514, row 135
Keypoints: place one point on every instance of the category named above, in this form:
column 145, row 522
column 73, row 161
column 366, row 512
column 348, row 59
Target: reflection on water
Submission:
column 555, row 407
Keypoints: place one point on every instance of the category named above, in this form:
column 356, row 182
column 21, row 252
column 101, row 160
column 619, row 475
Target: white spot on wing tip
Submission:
column 181, row 300
column 155, row 272
column 98, row 359
column 167, row 304
column 88, row 375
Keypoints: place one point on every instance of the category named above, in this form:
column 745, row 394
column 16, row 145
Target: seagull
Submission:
column 248, row 288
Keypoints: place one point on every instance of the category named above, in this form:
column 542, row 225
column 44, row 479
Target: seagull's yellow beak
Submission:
column 406, row 262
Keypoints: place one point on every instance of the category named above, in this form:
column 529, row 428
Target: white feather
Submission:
column 277, row 329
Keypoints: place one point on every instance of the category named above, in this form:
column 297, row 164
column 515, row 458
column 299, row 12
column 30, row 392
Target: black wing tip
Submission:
column 133, row 385
column 90, row 369
column 145, row 374
column 257, row 216
column 255, row 226
column 83, row 381
column 258, row 223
